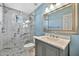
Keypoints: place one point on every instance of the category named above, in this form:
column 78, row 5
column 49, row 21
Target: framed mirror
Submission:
column 62, row 19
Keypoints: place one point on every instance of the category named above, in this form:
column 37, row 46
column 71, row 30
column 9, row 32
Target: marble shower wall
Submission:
column 14, row 36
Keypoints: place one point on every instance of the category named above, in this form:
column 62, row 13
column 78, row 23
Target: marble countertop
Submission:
column 57, row 42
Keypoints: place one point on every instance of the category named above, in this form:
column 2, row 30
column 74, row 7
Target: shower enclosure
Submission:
column 13, row 34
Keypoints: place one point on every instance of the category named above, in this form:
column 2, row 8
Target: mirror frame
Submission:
column 74, row 18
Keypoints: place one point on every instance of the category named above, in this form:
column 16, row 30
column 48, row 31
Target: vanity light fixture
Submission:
column 51, row 7
column 47, row 10
column 57, row 4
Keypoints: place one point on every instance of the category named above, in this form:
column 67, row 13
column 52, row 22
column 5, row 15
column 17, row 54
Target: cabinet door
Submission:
column 38, row 50
column 43, row 49
column 51, row 51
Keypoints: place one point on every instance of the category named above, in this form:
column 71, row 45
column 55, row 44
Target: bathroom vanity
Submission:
column 49, row 46
column 63, row 20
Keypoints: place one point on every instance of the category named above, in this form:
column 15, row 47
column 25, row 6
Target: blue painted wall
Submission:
column 74, row 45
column 38, row 19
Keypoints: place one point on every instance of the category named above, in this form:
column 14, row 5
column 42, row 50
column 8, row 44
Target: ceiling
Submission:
column 25, row 7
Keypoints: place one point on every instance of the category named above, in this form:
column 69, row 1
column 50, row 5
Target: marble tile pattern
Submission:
column 11, row 42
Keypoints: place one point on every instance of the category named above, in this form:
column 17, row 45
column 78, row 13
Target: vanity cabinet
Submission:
column 45, row 49
column 51, row 51
column 41, row 50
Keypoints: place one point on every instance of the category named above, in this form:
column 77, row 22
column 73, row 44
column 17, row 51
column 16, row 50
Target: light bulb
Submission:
column 47, row 10
column 57, row 4
column 51, row 7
